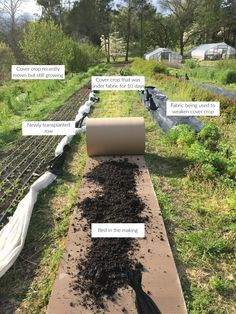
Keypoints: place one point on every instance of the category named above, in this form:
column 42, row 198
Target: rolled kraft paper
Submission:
column 115, row 136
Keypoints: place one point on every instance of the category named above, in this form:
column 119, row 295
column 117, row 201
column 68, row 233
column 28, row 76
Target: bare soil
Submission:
column 107, row 261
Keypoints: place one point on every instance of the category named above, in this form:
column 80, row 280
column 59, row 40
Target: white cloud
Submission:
column 30, row 7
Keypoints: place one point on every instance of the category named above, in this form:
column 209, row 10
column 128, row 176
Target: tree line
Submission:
column 128, row 26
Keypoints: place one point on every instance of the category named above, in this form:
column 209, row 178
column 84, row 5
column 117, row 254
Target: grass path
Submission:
column 198, row 219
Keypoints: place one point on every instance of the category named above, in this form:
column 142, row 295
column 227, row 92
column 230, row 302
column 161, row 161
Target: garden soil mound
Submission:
column 107, row 261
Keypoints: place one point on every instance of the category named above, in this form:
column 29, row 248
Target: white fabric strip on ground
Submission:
column 13, row 234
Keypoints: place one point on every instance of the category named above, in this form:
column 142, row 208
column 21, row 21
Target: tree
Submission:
column 105, row 44
column 84, row 55
column 144, row 11
column 229, row 25
column 11, row 8
column 104, row 14
column 51, row 9
column 160, row 31
column 129, row 10
column 117, row 46
column 131, row 20
column 10, row 11
column 208, row 21
column 6, row 60
column 124, row 23
column 184, row 13
column 217, row 20
column 45, row 43
column 90, row 19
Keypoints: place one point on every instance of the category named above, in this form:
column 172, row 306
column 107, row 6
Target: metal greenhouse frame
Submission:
column 214, row 51
column 163, row 54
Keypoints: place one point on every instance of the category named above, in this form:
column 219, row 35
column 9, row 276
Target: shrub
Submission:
column 231, row 168
column 6, row 60
column 182, row 135
column 84, row 56
column 203, row 73
column 230, row 76
column 227, row 76
column 191, row 63
column 45, row 43
column 198, row 152
column 160, row 67
column 127, row 71
column 230, row 114
column 209, row 136
column 202, row 155
column 231, row 202
column 201, row 171
column 220, row 163
column 79, row 61
column 208, row 171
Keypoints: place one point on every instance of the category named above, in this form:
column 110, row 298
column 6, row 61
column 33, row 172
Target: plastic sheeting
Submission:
column 165, row 122
column 165, row 54
column 213, row 51
column 13, row 234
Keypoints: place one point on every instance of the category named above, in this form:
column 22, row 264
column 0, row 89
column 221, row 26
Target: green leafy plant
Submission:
column 181, row 135
column 44, row 42
column 191, row 63
column 209, row 136
column 84, row 56
column 6, row 60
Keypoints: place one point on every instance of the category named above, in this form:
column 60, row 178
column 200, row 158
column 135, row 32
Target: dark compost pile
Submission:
column 107, row 261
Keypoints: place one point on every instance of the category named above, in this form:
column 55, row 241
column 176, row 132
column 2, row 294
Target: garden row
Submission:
column 212, row 154
column 31, row 157
column 35, row 100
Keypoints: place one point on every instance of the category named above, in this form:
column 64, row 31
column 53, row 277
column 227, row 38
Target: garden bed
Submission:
column 92, row 276
column 30, row 158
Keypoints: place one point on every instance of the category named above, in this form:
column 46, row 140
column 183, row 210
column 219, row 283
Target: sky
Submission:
column 31, row 7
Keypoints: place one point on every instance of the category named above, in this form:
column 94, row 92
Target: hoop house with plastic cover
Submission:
column 215, row 51
column 163, row 54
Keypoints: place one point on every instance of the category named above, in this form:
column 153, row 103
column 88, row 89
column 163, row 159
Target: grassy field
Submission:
column 221, row 73
column 199, row 215
column 179, row 90
column 35, row 100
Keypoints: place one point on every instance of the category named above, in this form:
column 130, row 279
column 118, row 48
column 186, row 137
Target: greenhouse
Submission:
column 215, row 51
column 163, row 54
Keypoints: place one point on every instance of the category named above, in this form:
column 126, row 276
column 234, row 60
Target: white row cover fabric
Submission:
column 92, row 95
column 66, row 140
column 13, row 234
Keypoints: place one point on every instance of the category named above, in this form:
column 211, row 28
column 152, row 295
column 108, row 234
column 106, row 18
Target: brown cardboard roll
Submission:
column 115, row 136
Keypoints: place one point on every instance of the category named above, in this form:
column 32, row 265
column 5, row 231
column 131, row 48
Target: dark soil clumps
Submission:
column 108, row 260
